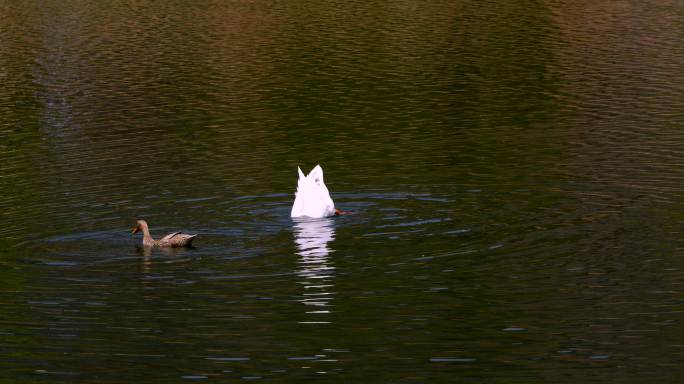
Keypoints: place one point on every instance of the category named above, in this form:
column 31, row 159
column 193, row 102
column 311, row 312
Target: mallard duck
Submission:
column 175, row 239
column 312, row 198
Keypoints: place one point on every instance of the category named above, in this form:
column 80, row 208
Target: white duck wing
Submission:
column 324, row 205
column 298, row 206
column 316, row 176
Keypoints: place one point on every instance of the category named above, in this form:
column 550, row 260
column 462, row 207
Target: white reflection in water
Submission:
column 314, row 264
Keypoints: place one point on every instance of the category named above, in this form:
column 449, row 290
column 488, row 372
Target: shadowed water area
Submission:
column 515, row 171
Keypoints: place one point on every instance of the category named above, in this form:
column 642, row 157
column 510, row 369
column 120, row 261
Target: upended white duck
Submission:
column 312, row 198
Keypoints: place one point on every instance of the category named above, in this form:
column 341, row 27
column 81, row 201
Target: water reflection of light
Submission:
column 314, row 265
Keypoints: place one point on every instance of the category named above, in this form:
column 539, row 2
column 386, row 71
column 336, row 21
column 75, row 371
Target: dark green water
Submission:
column 515, row 169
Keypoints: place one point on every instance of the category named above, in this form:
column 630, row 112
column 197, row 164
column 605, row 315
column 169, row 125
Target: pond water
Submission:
column 514, row 170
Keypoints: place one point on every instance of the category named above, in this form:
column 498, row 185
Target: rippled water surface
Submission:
column 514, row 170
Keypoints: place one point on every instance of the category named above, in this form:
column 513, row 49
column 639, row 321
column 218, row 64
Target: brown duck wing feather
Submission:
column 169, row 236
column 176, row 239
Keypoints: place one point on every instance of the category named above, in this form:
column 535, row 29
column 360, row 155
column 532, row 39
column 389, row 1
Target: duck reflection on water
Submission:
column 164, row 255
column 314, row 265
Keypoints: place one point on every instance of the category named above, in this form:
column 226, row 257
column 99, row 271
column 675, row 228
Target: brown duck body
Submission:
column 175, row 239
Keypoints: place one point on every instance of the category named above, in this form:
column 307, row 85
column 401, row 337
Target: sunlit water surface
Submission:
column 514, row 171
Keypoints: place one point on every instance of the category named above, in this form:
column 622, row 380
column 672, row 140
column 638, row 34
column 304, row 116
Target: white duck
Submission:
column 312, row 198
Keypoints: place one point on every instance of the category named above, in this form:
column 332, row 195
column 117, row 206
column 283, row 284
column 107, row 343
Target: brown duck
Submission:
column 175, row 239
